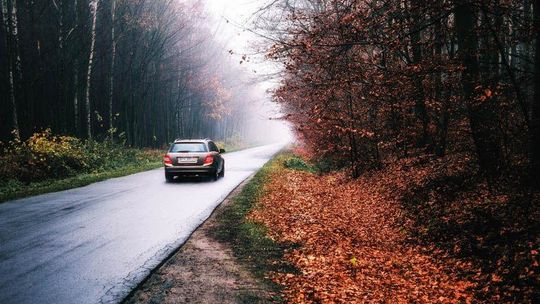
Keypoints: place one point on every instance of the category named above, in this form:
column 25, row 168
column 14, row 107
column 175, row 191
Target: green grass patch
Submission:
column 14, row 189
column 291, row 161
column 248, row 239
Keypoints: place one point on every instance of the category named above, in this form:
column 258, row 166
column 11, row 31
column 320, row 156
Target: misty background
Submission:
column 140, row 72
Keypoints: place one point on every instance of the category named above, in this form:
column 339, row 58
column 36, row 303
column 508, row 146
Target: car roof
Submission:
column 192, row 140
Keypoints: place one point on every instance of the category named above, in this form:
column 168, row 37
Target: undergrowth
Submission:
column 481, row 239
column 46, row 162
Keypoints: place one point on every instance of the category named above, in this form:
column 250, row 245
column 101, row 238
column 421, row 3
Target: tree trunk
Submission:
column 76, row 73
column 482, row 114
column 536, row 102
column 442, row 122
column 420, row 103
column 9, row 21
column 61, row 121
column 93, row 13
column 111, row 77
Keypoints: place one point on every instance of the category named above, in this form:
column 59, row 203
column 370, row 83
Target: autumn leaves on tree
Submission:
column 433, row 107
column 368, row 81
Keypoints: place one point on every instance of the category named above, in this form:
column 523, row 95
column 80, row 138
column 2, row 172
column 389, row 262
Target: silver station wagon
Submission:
column 194, row 157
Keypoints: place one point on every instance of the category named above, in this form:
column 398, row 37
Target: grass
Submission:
column 294, row 162
column 13, row 189
column 248, row 239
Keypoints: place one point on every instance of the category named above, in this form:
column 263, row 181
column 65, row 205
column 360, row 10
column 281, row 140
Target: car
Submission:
column 194, row 157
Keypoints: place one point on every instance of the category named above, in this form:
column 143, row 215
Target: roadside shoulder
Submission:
column 215, row 265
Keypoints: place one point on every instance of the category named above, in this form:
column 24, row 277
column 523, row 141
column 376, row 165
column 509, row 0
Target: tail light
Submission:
column 167, row 159
column 208, row 160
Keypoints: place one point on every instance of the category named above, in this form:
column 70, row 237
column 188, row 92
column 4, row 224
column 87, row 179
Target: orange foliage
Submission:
column 360, row 242
column 353, row 247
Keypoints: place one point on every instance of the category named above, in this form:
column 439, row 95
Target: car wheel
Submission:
column 169, row 177
column 222, row 173
column 215, row 175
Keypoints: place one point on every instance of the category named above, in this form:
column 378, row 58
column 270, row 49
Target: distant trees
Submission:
column 143, row 72
column 368, row 81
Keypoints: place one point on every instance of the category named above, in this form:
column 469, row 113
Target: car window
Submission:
column 188, row 147
column 213, row 147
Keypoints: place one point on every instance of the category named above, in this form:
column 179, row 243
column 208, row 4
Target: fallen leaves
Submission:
column 352, row 248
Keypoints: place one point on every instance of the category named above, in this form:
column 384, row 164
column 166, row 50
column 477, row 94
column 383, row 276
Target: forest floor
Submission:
column 421, row 230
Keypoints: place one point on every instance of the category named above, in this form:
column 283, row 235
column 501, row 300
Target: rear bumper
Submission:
column 190, row 170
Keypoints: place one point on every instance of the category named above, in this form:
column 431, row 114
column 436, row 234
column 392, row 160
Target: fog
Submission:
column 233, row 23
column 142, row 72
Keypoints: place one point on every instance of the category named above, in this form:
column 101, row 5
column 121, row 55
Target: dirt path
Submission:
column 202, row 271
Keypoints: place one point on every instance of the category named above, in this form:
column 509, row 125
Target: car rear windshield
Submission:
column 188, row 147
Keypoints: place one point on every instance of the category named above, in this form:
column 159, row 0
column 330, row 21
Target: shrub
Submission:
column 42, row 155
column 45, row 156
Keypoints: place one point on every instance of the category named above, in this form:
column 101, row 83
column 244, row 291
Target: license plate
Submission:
column 187, row 160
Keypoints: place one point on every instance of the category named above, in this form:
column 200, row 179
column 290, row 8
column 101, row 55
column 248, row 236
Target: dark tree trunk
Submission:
column 482, row 114
column 420, row 97
column 9, row 22
column 536, row 102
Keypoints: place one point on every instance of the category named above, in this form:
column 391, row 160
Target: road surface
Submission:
column 95, row 244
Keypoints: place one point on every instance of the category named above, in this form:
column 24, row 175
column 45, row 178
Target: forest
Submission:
column 422, row 120
column 143, row 72
column 415, row 170
column 366, row 82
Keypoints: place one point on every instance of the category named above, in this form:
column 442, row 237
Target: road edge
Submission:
column 223, row 204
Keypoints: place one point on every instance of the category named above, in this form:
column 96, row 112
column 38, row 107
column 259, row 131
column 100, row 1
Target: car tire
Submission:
column 222, row 173
column 215, row 175
column 169, row 177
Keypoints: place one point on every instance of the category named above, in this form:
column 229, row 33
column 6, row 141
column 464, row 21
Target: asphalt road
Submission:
column 95, row 244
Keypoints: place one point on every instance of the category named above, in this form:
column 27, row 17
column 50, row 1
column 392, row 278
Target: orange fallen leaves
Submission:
column 353, row 249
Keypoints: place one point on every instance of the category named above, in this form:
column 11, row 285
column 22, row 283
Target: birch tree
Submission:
column 93, row 14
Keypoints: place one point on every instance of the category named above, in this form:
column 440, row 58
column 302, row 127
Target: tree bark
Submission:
column 76, row 73
column 442, row 122
column 9, row 21
column 482, row 114
column 420, row 103
column 93, row 13
column 536, row 102
column 111, row 77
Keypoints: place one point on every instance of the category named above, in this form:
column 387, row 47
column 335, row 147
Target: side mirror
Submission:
column 221, row 150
